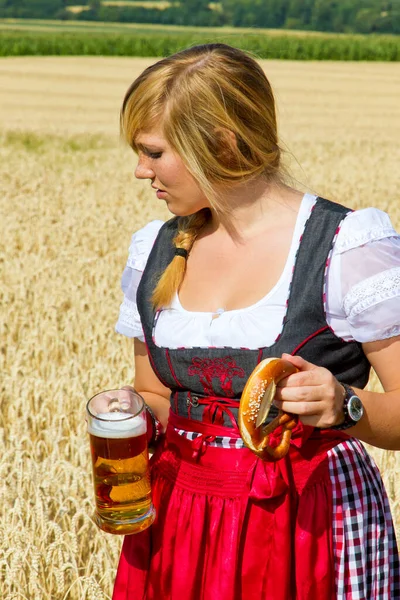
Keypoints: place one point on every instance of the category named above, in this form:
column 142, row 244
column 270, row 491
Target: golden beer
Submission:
column 118, row 443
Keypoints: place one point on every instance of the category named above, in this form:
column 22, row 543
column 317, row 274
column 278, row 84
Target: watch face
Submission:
column 355, row 408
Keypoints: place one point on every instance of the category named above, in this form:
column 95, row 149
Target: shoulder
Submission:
column 363, row 226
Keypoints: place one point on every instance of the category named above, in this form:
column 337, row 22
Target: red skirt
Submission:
column 233, row 527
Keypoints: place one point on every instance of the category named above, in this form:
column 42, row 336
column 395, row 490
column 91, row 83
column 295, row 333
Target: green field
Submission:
column 96, row 26
column 60, row 38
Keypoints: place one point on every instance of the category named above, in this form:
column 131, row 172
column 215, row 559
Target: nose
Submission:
column 143, row 169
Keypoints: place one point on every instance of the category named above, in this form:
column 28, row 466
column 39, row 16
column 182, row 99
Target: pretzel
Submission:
column 255, row 405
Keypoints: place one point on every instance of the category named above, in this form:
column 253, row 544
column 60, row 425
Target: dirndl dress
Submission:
column 230, row 526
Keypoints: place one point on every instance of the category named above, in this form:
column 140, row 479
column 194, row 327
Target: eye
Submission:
column 153, row 155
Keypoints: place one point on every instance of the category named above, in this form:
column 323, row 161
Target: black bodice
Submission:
column 193, row 373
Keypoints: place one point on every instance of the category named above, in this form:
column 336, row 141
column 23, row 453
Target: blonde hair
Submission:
column 200, row 97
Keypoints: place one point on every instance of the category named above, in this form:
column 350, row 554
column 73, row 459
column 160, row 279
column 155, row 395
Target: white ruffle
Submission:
column 141, row 244
column 363, row 226
column 244, row 328
column 363, row 291
column 129, row 323
column 142, row 241
column 379, row 322
column 375, row 289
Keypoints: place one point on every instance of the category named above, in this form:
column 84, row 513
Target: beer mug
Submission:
column 118, row 441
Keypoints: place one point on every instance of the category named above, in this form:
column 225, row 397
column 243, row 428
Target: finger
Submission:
column 303, row 393
column 299, row 362
column 303, row 378
column 300, row 408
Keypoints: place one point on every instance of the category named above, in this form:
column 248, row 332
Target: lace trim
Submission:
column 129, row 316
column 364, row 237
column 371, row 291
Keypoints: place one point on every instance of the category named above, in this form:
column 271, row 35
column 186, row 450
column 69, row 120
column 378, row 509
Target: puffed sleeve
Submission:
column 141, row 244
column 369, row 252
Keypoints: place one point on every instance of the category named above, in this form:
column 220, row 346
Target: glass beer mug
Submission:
column 118, row 441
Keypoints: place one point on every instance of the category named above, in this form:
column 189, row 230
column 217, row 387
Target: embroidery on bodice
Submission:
column 223, row 369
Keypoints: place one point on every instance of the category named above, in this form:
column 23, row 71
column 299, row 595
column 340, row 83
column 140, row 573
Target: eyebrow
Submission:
column 148, row 147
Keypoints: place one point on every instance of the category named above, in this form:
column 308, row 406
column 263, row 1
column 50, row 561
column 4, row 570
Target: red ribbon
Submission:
column 200, row 444
column 215, row 409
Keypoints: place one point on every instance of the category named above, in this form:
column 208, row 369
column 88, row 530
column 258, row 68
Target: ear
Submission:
column 226, row 138
column 226, row 146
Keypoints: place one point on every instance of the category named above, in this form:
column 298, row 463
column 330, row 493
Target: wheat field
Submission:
column 69, row 205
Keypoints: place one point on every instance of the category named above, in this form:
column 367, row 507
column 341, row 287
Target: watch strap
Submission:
column 348, row 420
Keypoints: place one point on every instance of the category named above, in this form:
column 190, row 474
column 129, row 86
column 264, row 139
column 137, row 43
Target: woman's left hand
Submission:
column 313, row 394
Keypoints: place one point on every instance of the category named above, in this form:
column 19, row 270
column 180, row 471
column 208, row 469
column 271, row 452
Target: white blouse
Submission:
column 362, row 291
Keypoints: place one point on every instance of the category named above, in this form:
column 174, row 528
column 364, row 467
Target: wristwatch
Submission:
column 353, row 409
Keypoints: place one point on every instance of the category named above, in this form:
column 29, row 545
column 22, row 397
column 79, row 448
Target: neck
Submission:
column 253, row 205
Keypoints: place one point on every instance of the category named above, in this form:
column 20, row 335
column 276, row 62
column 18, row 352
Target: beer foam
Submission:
column 116, row 425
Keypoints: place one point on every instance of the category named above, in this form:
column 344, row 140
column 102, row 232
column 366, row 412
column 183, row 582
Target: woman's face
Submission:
column 168, row 174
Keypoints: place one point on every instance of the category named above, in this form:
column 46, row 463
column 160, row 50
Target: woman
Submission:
column 250, row 268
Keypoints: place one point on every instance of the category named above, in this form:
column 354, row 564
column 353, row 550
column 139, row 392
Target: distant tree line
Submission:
column 347, row 16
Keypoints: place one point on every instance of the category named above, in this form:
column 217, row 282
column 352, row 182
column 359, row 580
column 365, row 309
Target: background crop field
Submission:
column 90, row 26
column 24, row 37
column 68, row 207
